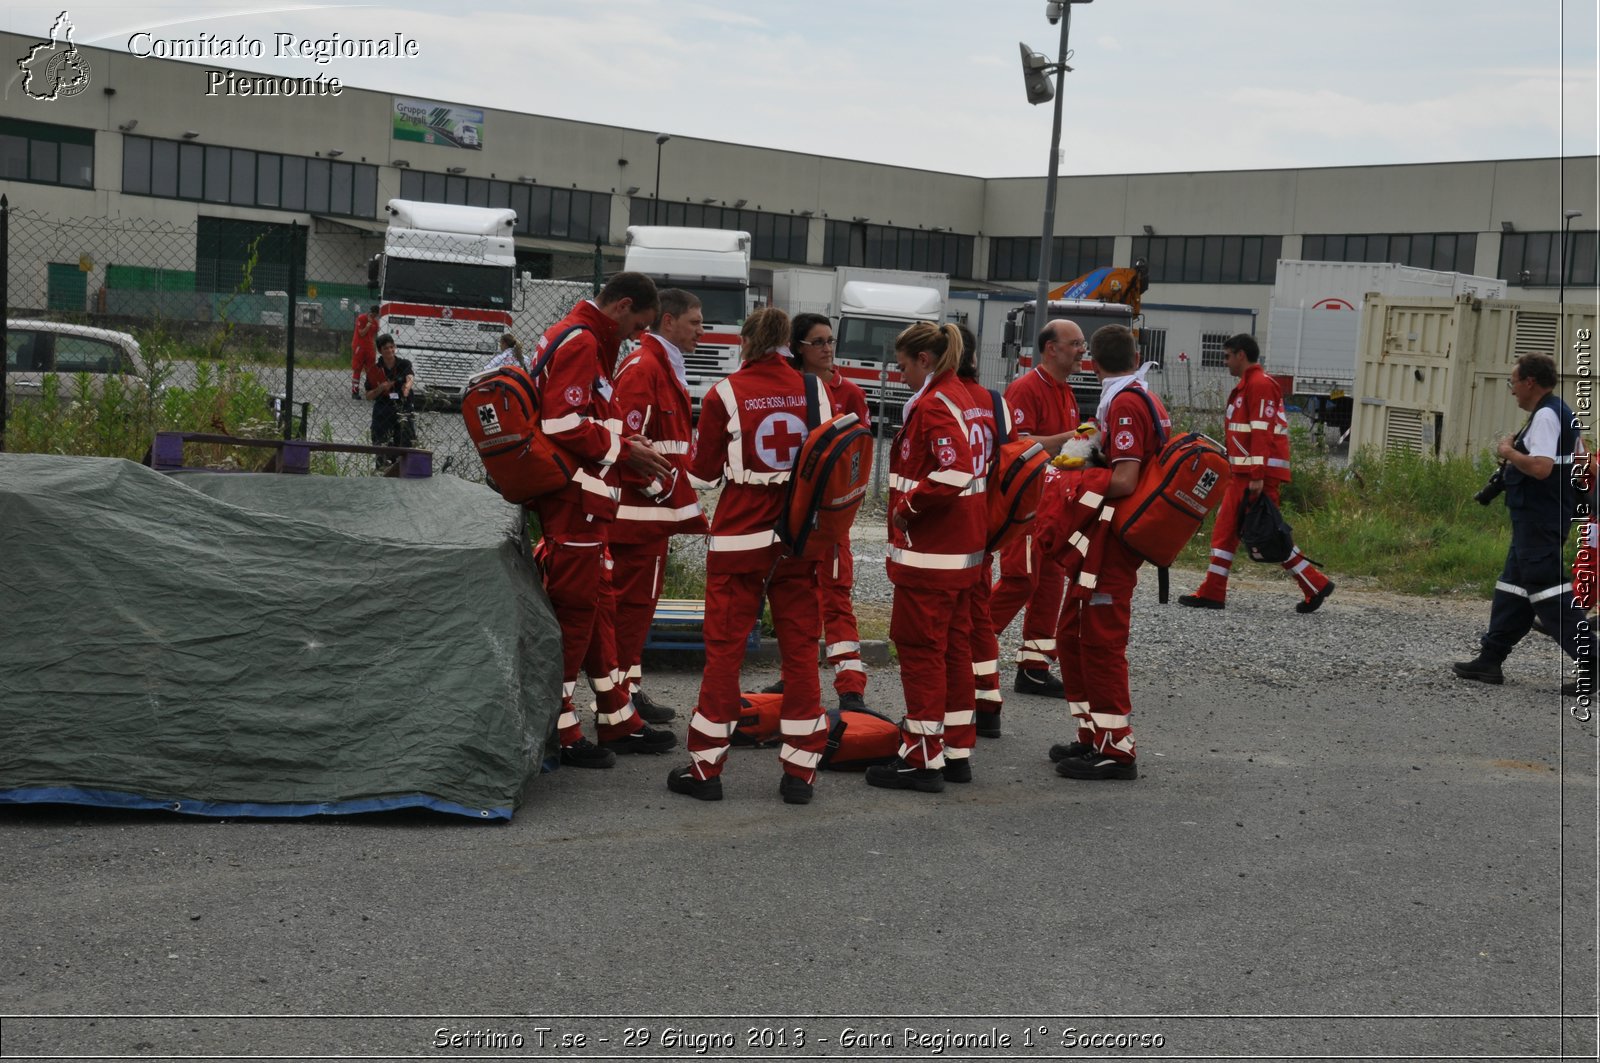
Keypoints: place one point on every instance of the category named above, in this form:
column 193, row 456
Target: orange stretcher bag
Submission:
column 1176, row 492
column 856, row 740
column 501, row 409
column 827, row 483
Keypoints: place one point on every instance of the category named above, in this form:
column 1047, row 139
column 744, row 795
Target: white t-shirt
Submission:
column 1543, row 435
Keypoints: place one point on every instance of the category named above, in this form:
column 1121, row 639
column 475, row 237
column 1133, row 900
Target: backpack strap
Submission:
column 1001, row 421
column 813, row 401
column 550, row 351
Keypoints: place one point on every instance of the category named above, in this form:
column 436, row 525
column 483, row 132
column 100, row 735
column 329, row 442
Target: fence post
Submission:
column 5, row 305
column 294, row 308
column 599, row 267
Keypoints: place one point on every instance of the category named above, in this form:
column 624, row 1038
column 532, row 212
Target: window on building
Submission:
column 891, row 247
column 563, row 213
column 46, row 154
column 1442, row 251
column 1534, row 259
column 215, row 174
column 1016, row 258
column 1211, row 356
column 1210, row 259
column 1153, row 345
column 232, row 254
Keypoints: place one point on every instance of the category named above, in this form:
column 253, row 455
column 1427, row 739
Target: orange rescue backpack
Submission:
column 501, row 408
column 828, row 481
column 1176, row 492
column 856, row 740
column 1016, row 478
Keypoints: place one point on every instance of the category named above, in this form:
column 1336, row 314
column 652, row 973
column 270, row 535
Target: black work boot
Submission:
column 1481, row 669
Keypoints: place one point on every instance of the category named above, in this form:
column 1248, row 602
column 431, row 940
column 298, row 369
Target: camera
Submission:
column 1491, row 490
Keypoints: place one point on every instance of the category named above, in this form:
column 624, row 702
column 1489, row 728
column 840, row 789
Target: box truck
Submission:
column 1314, row 324
column 714, row 264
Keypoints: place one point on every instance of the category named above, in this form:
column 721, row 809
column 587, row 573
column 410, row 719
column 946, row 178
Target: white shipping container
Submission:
column 1314, row 319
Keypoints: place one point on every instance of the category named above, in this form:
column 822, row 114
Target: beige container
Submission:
column 1432, row 373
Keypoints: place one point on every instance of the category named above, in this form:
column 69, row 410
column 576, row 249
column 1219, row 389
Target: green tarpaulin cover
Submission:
column 257, row 644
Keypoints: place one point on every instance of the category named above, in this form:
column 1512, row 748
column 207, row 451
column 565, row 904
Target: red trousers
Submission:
column 836, row 575
column 1028, row 578
column 1225, row 541
column 733, row 604
column 1094, row 670
column 578, row 582
column 638, row 572
column 985, row 646
column 932, row 632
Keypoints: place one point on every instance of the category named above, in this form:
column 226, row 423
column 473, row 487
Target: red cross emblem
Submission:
column 778, row 439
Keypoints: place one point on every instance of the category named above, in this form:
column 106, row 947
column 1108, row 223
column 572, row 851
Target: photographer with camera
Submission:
column 1536, row 476
column 389, row 381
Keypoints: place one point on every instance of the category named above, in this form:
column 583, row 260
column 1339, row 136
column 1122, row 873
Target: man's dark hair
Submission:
column 1113, row 348
column 629, row 285
column 675, row 301
column 802, row 324
column 1539, row 368
column 383, row 338
column 1246, row 343
column 968, row 369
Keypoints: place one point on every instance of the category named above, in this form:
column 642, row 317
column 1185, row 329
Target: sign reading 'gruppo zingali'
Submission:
column 438, row 123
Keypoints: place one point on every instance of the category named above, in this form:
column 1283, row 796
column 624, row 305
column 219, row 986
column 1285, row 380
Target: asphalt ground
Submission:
column 1327, row 854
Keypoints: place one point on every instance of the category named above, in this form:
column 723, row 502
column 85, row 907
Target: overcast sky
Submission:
column 1158, row 85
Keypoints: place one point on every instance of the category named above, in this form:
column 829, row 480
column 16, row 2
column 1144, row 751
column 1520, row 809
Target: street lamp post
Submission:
column 1034, row 71
column 661, row 139
column 1566, row 226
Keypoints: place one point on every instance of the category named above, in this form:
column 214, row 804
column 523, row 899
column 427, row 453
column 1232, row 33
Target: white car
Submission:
column 37, row 348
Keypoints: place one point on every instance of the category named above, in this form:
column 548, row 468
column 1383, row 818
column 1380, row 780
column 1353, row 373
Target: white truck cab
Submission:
column 714, row 264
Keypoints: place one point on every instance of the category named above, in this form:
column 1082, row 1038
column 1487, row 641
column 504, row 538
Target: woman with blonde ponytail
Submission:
column 751, row 426
column 936, row 541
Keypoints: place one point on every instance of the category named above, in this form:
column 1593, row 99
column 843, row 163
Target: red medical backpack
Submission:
column 828, row 481
column 501, row 409
column 856, row 740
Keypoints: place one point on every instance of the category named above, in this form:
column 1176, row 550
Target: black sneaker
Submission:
column 1312, row 604
column 682, row 781
column 898, row 775
column 1194, row 601
column 1480, row 670
column 957, row 770
column 585, row 754
column 1093, row 766
column 1063, row 750
column 773, row 688
column 1038, row 681
column 649, row 711
column 988, row 724
column 852, row 703
column 644, row 740
column 794, row 790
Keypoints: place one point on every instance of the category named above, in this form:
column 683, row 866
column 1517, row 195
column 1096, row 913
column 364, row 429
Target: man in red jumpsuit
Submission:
column 576, row 411
column 652, row 400
column 1095, row 621
column 1256, row 435
column 363, row 350
column 1043, row 406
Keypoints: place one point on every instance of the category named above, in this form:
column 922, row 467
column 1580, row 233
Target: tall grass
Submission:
column 1401, row 521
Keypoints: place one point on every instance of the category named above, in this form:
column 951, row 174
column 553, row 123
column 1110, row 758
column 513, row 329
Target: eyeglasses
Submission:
column 829, row 342
column 1511, row 383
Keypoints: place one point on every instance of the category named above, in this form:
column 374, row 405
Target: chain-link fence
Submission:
column 209, row 299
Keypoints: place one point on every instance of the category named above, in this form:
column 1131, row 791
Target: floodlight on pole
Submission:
column 1566, row 226
column 1035, row 75
column 661, row 139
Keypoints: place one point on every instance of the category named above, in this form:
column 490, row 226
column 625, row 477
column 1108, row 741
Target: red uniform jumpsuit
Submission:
column 1095, row 620
column 1257, row 441
column 751, row 426
column 1041, row 407
column 933, row 565
column 575, row 410
column 650, row 401
column 836, row 574
column 983, row 435
column 363, row 349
